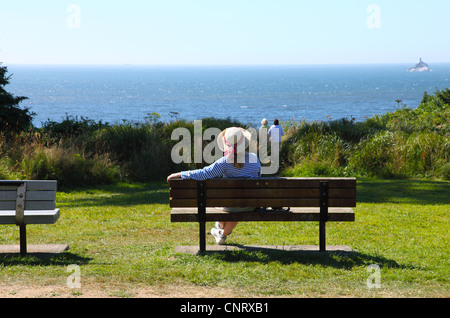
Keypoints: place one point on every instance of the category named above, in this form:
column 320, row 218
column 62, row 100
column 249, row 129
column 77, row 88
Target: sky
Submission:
column 223, row 32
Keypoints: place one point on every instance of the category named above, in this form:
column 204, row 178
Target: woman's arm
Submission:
column 212, row 171
column 174, row 176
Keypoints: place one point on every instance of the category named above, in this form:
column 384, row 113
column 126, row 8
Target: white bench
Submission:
column 26, row 202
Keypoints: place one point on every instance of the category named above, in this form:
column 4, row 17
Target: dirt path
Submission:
column 99, row 291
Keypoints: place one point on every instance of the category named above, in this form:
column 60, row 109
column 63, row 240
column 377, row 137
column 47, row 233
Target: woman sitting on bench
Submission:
column 237, row 162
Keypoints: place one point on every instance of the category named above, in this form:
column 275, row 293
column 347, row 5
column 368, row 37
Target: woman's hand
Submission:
column 174, row 176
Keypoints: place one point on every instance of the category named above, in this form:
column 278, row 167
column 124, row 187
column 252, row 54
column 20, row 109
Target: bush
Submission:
column 373, row 156
column 445, row 171
column 142, row 151
column 71, row 127
column 424, row 153
column 313, row 167
column 69, row 167
column 6, row 172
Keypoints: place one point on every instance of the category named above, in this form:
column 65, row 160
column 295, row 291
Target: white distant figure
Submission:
column 275, row 133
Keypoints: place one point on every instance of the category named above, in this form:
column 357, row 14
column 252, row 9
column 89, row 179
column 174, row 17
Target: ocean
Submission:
column 246, row 93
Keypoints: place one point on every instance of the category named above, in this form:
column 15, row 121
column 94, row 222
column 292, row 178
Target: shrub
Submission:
column 445, row 171
column 313, row 167
column 424, row 153
column 69, row 167
column 71, row 126
column 373, row 156
column 141, row 149
column 6, row 172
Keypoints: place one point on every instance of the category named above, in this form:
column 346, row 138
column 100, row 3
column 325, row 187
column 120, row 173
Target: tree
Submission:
column 12, row 117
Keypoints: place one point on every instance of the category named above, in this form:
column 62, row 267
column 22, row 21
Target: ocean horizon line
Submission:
column 218, row 65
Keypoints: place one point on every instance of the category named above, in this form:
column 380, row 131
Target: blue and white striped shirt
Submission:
column 223, row 169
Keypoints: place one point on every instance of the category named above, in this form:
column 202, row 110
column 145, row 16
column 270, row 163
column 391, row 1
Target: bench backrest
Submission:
column 39, row 195
column 262, row 192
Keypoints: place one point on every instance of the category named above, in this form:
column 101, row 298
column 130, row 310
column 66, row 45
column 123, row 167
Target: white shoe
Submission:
column 220, row 239
column 217, row 225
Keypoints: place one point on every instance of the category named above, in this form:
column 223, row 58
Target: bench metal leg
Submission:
column 201, row 203
column 322, row 244
column 202, row 229
column 23, row 239
column 323, row 214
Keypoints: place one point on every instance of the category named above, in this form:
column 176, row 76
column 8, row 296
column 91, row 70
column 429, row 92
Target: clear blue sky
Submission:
column 223, row 31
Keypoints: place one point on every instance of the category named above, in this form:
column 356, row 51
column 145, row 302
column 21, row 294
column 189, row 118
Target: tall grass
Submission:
column 30, row 155
column 70, row 167
column 144, row 149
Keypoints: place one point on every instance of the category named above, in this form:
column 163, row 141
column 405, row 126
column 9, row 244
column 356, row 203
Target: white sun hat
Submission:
column 234, row 138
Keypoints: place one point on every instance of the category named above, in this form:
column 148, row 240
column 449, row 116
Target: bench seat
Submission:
column 30, row 216
column 294, row 214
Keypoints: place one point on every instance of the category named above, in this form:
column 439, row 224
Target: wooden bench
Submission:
column 304, row 199
column 27, row 202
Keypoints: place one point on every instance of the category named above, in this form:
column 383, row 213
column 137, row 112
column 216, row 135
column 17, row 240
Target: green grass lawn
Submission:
column 121, row 237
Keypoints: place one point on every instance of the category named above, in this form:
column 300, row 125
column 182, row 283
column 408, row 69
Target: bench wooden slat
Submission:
column 283, row 183
column 262, row 202
column 262, row 193
column 29, row 205
column 10, row 195
column 31, row 217
column 31, row 184
column 295, row 214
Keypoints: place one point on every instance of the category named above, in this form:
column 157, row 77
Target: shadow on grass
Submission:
column 43, row 259
column 336, row 259
column 403, row 191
